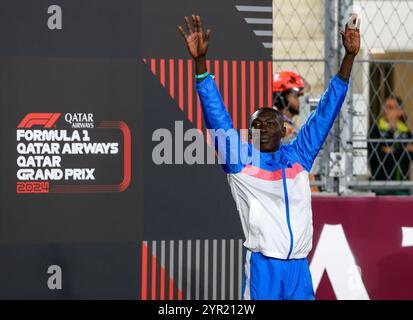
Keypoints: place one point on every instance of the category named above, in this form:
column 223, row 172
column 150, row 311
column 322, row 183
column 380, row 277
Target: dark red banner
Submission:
column 363, row 248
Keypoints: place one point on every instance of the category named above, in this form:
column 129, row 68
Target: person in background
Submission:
column 288, row 86
column 391, row 159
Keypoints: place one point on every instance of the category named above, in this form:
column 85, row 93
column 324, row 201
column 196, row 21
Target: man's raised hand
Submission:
column 351, row 36
column 196, row 40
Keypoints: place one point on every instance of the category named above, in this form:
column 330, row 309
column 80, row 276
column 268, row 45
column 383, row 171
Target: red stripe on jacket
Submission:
column 263, row 174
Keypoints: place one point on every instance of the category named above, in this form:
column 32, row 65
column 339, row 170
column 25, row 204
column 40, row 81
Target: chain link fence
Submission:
column 370, row 147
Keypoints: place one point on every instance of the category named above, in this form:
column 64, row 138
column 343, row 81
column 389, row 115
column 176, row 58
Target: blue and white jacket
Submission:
column 273, row 197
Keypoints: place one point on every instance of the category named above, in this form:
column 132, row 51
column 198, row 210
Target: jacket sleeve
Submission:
column 226, row 138
column 313, row 133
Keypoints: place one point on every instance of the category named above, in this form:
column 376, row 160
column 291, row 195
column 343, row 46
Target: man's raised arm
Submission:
column 226, row 139
column 213, row 108
column 314, row 132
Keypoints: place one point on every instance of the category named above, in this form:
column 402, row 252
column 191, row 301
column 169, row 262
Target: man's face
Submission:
column 270, row 128
column 391, row 104
column 293, row 103
column 391, row 110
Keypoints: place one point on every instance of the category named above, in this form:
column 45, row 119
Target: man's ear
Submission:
column 283, row 132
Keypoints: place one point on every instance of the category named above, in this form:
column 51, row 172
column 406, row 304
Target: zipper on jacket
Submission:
column 287, row 209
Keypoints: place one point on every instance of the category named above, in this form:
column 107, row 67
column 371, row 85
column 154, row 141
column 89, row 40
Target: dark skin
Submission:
column 271, row 131
column 293, row 105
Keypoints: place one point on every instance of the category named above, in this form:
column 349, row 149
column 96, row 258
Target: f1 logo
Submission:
column 47, row 120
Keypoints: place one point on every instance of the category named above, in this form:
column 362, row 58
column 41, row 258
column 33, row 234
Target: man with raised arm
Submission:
column 273, row 195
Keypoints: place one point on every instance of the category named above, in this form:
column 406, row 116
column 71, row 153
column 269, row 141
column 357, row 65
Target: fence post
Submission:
column 344, row 133
column 330, row 68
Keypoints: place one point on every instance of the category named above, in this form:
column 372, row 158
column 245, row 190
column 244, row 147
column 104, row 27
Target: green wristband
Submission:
column 201, row 76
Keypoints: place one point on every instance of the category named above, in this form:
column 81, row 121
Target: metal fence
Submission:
column 370, row 147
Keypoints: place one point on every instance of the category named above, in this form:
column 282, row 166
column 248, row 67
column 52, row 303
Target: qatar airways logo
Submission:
column 48, row 120
column 80, row 120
